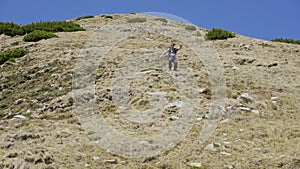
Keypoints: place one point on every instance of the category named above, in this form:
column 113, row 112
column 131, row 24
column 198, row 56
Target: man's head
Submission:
column 172, row 45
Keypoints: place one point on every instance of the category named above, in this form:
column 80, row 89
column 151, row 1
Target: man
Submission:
column 172, row 52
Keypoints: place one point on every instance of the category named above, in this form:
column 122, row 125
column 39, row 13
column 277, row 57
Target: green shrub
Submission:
column 286, row 41
column 12, row 29
column 190, row 28
column 217, row 33
column 108, row 16
column 15, row 53
column 162, row 20
column 84, row 17
column 38, row 35
column 136, row 20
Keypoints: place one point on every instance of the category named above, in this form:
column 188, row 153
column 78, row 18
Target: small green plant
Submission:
column 162, row 20
column 84, row 17
column 12, row 59
column 190, row 28
column 136, row 20
column 8, row 55
column 108, row 16
column 38, row 35
column 217, row 33
column 12, row 29
column 286, row 41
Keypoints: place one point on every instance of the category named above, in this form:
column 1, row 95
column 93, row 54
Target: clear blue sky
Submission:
column 264, row 19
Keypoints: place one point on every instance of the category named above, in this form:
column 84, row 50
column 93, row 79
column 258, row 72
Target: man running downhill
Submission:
column 172, row 52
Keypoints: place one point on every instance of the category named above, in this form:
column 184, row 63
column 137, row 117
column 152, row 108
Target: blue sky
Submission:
column 264, row 19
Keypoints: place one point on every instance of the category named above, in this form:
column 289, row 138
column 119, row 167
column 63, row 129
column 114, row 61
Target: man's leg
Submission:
column 175, row 64
column 170, row 64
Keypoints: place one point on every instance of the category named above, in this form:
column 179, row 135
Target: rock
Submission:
column 19, row 101
column 19, row 117
column 173, row 118
column 225, row 153
column 255, row 111
column 274, row 98
column 110, row 162
column 245, row 109
column 225, row 121
column 247, row 98
column 235, row 68
column 204, row 91
column 176, row 104
column 96, row 158
column 210, row 147
column 244, row 46
column 196, row 165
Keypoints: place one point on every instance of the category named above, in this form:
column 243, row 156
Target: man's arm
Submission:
column 164, row 53
column 180, row 46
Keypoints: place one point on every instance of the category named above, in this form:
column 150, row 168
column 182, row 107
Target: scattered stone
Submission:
column 96, row 158
column 247, row 98
column 225, row 121
column 19, row 117
column 210, row 147
column 225, row 153
column 255, row 111
column 235, row 68
column 272, row 65
column 196, row 165
column 204, row 91
column 110, row 162
column 244, row 46
column 274, row 98
column 173, row 118
column 157, row 93
column 19, row 101
column 245, row 109
column 226, row 142
column 176, row 104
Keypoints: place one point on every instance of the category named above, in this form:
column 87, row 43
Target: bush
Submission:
column 12, row 29
column 217, row 33
column 190, row 28
column 286, row 41
column 136, row 20
column 162, row 20
column 38, row 35
column 84, row 17
column 9, row 55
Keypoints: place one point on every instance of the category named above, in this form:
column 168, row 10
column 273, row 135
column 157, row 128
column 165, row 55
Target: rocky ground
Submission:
column 254, row 83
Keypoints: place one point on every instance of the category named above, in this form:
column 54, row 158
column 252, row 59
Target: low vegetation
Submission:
column 107, row 16
column 217, row 33
column 38, row 35
column 12, row 29
column 136, row 20
column 84, row 17
column 162, row 20
column 286, row 40
column 11, row 55
column 190, row 28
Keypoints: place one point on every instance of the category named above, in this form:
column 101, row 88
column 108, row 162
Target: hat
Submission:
column 173, row 44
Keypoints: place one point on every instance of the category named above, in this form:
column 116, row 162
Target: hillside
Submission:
column 103, row 98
